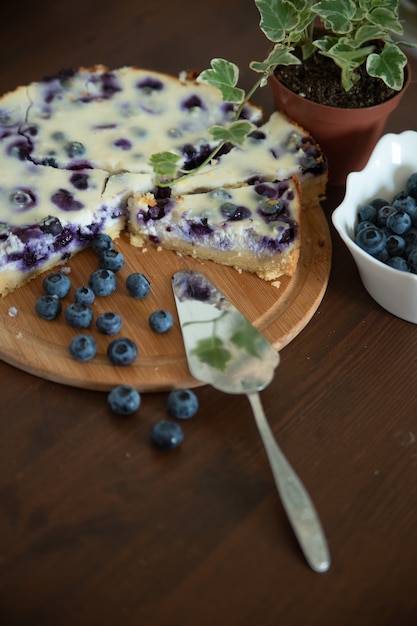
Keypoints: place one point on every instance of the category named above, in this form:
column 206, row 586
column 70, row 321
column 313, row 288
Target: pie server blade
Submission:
column 225, row 350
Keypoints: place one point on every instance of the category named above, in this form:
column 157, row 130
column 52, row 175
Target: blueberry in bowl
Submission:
column 377, row 220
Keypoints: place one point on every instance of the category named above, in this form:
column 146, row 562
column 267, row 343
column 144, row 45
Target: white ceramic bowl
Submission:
column 392, row 161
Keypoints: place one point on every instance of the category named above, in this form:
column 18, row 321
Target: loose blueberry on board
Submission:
column 122, row 351
column 56, row 284
column 124, row 400
column 79, row 315
column 138, row 285
column 102, row 282
column 111, row 260
column 182, row 403
column 84, row 295
column 48, row 307
column 109, row 323
column 83, row 347
column 102, row 242
column 161, row 321
column 166, row 435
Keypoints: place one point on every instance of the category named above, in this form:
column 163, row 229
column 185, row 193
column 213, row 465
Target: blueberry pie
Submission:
column 75, row 162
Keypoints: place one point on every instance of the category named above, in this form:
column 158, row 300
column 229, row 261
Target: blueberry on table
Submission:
column 56, row 284
column 84, row 295
column 122, row 351
column 102, row 282
column 166, row 435
column 124, row 400
column 109, row 323
column 182, row 403
column 79, row 315
column 138, row 285
column 160, row 321
column 111, row 260
column 102, row 242
column 48, row 307
column 83, row 347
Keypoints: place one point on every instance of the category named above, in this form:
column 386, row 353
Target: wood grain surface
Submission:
column 280, row 313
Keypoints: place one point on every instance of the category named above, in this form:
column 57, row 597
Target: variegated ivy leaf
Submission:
column 280, row 55
column 367, row 33
column 385, row 18
column 224, row 75
column 165, row 164
column 277, row 18
column 236, row 133
column 388, row 65
column 337, row 16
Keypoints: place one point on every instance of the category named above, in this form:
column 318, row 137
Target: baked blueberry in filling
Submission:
column 150, row 85
column 79, row 180
column 51, row 225
column 200, row 228
column 192, row 103
column 74, row 149
column 233, row 212
column 123, row 144
column 109, row 85
column 22, row 199
column 21, row 149
column 65, row 201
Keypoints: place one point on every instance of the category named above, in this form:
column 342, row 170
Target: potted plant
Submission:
column 339, row 71
column 351, row 44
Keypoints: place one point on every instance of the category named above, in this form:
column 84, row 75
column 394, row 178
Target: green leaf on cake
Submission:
column 236, row 133
column 165, row 164
column 224, row 75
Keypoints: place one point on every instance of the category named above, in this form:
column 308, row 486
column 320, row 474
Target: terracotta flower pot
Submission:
column 346, row 136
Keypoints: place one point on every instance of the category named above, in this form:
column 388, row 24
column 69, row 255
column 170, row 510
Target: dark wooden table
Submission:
column 98, row 528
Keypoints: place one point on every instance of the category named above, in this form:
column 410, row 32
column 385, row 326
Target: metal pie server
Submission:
column 226, row 351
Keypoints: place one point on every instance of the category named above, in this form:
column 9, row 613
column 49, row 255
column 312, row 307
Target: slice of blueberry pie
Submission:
column 75, row 154
column 254, row 228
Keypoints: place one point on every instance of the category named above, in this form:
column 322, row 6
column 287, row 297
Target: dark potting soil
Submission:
column 318, row 79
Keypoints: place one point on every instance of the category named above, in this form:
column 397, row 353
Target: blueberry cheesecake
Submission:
column 254, row 228
column 75, row 154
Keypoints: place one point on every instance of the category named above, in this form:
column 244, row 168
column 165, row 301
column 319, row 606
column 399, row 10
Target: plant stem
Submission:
column 216, row 150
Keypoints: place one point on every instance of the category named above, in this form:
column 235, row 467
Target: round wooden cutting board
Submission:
column 280, row 312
